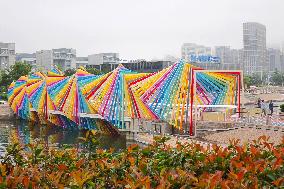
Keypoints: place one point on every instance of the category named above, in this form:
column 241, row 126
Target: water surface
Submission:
column 26, row 132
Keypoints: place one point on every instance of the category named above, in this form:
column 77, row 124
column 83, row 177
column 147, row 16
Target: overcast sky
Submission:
column 134, row 28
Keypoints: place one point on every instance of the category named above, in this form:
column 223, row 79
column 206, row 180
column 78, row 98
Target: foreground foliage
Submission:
column 255, row 165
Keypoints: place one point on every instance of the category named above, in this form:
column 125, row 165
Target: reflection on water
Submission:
column 26, row 132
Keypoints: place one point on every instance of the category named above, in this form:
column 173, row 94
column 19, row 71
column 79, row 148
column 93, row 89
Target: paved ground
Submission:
column 245, row 135
column 252, row 98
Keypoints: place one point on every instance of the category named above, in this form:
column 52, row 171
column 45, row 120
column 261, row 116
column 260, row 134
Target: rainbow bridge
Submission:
column 173, row 95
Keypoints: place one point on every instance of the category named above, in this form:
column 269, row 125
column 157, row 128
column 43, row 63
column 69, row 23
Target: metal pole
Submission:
column 122, row 99
column 187, row 100
column 195, row 102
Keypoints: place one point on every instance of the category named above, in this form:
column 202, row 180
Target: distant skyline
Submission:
column 136, row 29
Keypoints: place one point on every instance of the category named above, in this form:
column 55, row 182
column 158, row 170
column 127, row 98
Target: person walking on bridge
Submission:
column 258, row 102
column 271, row 107
column 263, row 108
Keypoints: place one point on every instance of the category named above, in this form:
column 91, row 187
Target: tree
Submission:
column 247, row 80
column 14, row 73
column 265, row 78
column 5, row 81
column 69, row 72
column 256, row 79
column 1, row 75
column 19, row 69
column 253, row 79
column 277, row 78
column 93, row 71
column 2, row 78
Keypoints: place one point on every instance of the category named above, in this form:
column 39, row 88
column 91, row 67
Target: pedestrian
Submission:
column 263, row 108
column 258, row 102
column 271, row 107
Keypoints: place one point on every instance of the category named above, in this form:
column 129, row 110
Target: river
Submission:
column 25, row 132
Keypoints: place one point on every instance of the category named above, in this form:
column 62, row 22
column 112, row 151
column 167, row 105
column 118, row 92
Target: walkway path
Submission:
column 245, row 135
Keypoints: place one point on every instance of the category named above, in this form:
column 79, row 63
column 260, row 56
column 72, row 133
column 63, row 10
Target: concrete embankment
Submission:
column 6, row 113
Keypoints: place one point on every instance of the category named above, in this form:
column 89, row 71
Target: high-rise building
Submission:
column 282, row 62
column 236, row 56
column 63, row 58
column 230, row 59
column 7, row 55
column 188, row 49
column 274, row 59
column 254, row 40
column 241, row 58
column 225, row 54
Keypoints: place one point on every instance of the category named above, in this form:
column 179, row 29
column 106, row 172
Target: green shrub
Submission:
column 282, row 107
column 3, row 96
column 256, row 165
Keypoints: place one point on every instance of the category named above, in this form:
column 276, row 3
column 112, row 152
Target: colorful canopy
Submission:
column 83, row 98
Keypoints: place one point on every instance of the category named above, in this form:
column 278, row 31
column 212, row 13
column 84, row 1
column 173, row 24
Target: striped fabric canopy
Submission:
column 79, row 100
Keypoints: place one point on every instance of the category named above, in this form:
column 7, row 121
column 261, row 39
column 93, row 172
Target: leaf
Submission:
column 38, row 151
column 278, row 163
column 3, row 170
column 238, row 164
column 264, row 138
column 131, row 160
column 233, row 175
column 79, row 163
column 26, row 181
column 276, row 153
column 253, row 150
column 132, row 147
column 94, row 132
column 278, row 182
column 146, row 152
column 87, row 134
column 268, row 145
column 224, row 184
column 80, row 177
column 62, row 167
column 241, row 174
column 271, row 176
column 216, row 178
